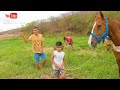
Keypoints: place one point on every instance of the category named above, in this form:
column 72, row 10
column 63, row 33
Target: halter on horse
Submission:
column 103, row 27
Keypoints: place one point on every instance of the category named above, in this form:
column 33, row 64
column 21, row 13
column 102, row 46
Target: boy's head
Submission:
column 59, row 46
column 64, row 38
column 36, row 30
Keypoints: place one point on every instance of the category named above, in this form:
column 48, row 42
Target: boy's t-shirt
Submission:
column 69, row 40
column 36, row 43
column 58, row 58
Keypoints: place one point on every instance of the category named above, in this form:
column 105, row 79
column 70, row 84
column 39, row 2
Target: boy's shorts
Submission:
column 58, row 72
column 37, row 57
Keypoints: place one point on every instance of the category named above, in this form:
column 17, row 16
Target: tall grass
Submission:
column 82, row 62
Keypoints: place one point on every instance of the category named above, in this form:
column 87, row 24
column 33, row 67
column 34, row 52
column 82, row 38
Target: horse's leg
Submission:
column 117, row 56
column 118, row 62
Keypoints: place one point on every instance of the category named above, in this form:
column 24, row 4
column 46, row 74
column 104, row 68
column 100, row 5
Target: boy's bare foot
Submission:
column 43, row 63
column 37, row 66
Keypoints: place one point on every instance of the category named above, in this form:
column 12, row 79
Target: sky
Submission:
column 24, row 17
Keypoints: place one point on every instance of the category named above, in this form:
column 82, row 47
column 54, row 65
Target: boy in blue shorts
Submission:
column 37, row 44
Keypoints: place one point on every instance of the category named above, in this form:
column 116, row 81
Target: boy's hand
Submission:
column 21, row 34
column 62, row 67
column 57, row 66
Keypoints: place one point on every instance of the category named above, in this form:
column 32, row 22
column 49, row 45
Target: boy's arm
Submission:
column 66, row 43
column 54, row 62
column 63, row 63
column 24, row 38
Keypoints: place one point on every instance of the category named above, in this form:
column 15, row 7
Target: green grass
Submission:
column 82, row 62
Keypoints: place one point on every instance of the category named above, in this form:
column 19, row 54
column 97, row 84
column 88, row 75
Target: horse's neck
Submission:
column 114, row 32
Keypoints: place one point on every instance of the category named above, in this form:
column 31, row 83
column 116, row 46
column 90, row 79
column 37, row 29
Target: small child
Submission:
column 69, row 40
column 58, row 59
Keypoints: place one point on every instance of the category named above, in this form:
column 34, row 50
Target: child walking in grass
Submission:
column 68, row 40
column 58, row 60
column 37, row 43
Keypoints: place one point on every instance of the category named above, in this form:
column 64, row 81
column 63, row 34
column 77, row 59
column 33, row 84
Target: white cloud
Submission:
column 24, row 17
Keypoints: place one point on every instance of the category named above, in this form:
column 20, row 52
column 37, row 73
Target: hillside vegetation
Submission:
column 77, row 23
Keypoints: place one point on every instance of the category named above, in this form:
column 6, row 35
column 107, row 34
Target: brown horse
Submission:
column 103, row 27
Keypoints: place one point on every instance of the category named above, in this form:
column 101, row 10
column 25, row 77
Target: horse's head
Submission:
column 99, row 30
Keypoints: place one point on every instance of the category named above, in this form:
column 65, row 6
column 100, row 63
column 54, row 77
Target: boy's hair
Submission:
column 36, row 28
column 58, row 43
column 64, row 38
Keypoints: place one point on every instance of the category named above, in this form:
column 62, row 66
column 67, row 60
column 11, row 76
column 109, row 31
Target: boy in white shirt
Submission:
column 58, row 60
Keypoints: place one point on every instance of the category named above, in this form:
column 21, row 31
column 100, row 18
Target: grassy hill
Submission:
column 82, row 62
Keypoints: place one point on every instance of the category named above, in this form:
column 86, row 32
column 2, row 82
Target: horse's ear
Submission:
column 101, row 14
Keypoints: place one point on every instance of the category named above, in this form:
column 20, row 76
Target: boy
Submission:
column 37, row 43
column 58, row 60
column 69, row 40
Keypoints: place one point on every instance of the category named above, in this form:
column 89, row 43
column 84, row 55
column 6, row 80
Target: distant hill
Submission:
column 9, row 34
column 12, row 31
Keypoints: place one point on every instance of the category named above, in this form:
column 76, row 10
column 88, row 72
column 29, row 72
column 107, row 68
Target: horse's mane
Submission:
column 114, row 22
column 115, row 31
